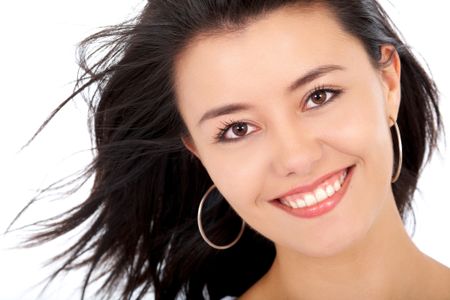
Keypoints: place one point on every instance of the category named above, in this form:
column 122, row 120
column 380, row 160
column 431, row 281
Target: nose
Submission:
column 296, row 150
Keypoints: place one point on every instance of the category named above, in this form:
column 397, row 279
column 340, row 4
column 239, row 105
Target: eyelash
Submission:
column 227, row 125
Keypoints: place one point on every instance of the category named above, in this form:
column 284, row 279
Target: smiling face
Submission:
column 286, row 103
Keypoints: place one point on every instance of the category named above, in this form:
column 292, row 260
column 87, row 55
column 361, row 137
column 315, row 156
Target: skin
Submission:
column 358, row 250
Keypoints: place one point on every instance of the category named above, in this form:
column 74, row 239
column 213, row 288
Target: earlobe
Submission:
column 390, row 75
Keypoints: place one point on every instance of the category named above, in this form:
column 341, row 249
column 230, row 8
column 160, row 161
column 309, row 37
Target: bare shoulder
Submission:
column 260, row 290
column 253, row 293
column 438, row 280
column 444, row 274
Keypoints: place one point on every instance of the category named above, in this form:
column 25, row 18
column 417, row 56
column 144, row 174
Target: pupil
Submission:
column 240, row 129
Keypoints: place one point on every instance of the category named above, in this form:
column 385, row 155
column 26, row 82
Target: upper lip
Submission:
column 312, row 186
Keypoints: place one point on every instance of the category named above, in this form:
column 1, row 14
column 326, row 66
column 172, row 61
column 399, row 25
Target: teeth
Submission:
column 301, row 203
column 330, row 190
column 291, row 198
column 320, row 194
column 342, row 177
column 310, row 199
column 337, row 185
column 285, row 202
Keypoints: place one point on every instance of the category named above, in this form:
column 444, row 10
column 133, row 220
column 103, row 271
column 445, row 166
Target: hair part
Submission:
column 147, row 186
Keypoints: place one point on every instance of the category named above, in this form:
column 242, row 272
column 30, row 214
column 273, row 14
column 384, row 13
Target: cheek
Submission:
column 360, row 129
column 363, row 133
column 238, row 172
column 363, row 136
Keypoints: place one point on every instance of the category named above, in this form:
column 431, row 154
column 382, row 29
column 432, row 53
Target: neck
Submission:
column 383, row 265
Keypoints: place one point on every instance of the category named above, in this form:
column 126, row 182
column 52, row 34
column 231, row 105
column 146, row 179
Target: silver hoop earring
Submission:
column 202, row 232
column 400, row 152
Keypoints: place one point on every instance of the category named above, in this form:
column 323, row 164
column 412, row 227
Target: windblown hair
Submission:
column 142, row 235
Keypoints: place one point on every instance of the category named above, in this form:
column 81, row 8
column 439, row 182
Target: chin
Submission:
column 332, row 243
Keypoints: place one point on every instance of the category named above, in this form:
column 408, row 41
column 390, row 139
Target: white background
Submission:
column 37, row 60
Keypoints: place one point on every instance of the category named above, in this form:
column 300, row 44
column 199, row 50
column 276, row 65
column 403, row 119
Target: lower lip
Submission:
column 322, row 207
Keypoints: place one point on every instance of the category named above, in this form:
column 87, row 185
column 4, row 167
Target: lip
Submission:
column 321, row 207
column 309, row 188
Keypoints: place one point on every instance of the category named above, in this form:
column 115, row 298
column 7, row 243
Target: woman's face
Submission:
column 260, row 132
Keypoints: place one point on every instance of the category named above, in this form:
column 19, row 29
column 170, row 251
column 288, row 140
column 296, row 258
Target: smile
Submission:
column 318, row 198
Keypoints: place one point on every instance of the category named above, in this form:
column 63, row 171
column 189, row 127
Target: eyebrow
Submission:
column 301, row 81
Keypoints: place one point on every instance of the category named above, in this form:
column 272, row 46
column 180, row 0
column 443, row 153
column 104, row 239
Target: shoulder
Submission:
column 260, row 290
column 436, row 279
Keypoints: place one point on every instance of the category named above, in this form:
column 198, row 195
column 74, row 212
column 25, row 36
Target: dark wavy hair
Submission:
column 142, row 234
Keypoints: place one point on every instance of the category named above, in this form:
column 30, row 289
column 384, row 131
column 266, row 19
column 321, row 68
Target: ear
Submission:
column 390, row 71
column 190, row 145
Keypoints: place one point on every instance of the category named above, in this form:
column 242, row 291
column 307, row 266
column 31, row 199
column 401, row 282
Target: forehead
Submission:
column 264, row 57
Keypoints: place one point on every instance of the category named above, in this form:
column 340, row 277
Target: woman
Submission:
column 259, row 149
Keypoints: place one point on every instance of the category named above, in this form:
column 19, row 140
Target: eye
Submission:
column 320, row 96
column 233, row 131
